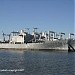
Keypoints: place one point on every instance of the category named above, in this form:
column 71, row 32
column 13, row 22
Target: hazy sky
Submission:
column 57, row 15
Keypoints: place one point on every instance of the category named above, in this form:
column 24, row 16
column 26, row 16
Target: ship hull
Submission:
column 71, row 44
column 52, row 45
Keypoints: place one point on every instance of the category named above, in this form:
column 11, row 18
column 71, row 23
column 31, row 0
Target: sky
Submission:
column 55, row 15
column 74, row 16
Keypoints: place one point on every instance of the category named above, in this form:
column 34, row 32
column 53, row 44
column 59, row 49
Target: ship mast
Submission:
column 3, row 36
column 35, row 30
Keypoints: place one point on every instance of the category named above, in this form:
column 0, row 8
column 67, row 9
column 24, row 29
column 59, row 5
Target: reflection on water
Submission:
column 37, row 62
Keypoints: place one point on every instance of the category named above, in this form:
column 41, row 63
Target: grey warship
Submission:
column 50, row 40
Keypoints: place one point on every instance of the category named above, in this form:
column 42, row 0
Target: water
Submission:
column 37, row 62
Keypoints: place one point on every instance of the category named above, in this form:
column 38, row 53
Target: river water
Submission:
column 37, row 62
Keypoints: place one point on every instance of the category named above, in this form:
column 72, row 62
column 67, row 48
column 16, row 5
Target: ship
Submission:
column 23, row 40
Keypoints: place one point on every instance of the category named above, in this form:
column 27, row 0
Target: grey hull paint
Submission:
column 51, row 45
